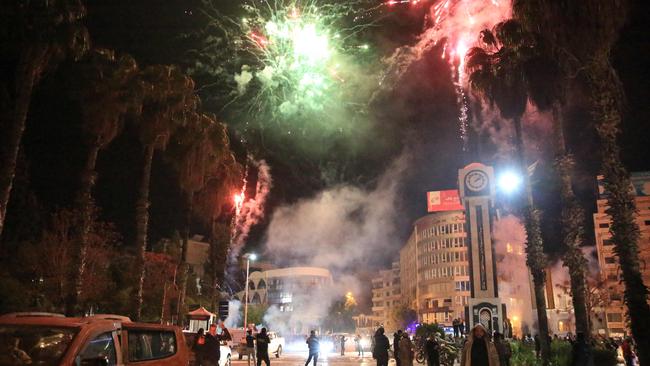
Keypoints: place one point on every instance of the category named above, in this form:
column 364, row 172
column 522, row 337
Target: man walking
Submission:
column 343, row 339
column 212, row 347
column 314, row 348
column 396, row 338
column 263, row 340
column 250, row 347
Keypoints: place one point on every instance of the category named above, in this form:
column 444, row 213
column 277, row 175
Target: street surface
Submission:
column 296, row 359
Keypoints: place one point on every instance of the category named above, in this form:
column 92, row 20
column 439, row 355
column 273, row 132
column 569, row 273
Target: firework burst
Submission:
column 286, row 61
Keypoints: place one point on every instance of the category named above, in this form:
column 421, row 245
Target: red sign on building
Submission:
column 443, row 201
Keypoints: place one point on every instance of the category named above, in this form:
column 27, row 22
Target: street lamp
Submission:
column 249, row 257
column 509, row 181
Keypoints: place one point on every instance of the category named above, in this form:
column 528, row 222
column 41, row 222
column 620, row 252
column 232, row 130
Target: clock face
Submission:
column 476, row 180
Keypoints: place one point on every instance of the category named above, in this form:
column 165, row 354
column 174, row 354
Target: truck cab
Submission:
column 53, row 339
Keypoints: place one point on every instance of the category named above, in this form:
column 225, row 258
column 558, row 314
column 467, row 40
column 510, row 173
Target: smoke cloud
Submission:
column 341, row 226
column 234, row 318
column 514, row 286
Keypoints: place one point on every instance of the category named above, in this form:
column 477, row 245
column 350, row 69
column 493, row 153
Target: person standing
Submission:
column 250, row 347
column 503, row 349
column 199, row 347
column 456, row 324
column 406, row 352
column 628, row 354
column 432, row 351
column 343, row 339
column 478, row 350
column 538, row 346
column 212, row 347
column 357, row 344
column 380, row 350
column 262, row 339
column 396, row 338
column 314, row 348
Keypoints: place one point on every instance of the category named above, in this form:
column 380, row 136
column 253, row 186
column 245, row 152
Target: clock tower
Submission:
column 477, row 192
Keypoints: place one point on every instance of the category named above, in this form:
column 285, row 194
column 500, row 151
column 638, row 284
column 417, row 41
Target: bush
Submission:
column 604, row 357
column 523, row 354
column 561, row 353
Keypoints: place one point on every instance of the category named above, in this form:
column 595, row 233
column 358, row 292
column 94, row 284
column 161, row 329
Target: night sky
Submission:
column 415, row 114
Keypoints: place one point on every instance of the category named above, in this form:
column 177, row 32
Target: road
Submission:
column 298, row 359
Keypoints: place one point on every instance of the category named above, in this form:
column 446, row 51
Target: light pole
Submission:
column 249, row 257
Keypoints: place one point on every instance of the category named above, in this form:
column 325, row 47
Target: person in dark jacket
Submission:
column 380, row 350
column 432, row 351
column 212, row 347
column 314, row 348
column 343, row 339
column 396, row 338
column 503, row 349
column 199, row 347
column 263, row 341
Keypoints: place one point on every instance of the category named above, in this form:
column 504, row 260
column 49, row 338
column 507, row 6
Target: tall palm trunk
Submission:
column 183, row 266
column 142, row 225
column 30, row 65
column 572, row 228
column 84, row 206
column 624, row 229
column 535, row 257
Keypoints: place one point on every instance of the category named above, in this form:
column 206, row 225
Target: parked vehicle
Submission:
column 275, row 347
column 53, row 339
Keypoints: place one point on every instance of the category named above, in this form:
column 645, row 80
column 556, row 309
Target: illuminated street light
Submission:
column 509, row 182
column 249, row 257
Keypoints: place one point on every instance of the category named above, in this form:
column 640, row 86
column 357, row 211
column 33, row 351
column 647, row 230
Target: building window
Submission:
column 607, row 242
column 603, row 225
column 614, row 317
column 610, row 260
column 647, row 222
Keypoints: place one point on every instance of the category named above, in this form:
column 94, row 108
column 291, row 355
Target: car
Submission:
column 277, row 344
column 275, row 347
column 105, row 339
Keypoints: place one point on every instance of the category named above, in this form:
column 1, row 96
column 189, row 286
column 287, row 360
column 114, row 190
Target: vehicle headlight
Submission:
column 327, row 347
column 364, row 342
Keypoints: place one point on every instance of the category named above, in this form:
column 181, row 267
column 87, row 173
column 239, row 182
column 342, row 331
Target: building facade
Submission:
column 435, row 268
column 386, row 296
column 615, row 310
column 285, row 288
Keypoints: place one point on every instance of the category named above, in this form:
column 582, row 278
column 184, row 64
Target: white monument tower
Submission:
column 477, row 193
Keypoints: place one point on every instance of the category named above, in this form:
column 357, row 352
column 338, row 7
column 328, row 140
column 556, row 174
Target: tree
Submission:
column 35, row 36
column 403, row 317
column 582, row 35
column 168, row 97
column 107, row 92
column 497, row 73
column 195, row 151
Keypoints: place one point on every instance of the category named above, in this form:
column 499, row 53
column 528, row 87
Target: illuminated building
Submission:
column 435, row 269
column 615, row 310
column 286, row 288
column 386, row 296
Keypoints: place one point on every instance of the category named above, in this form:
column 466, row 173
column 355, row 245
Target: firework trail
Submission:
column 456, row 25
column 249, row 212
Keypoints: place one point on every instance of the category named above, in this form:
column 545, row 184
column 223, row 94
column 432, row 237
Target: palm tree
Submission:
column 105, row 95
column 546, row 89
column 195, row 151
column 582, row 35
column 497, row 73
column 36, row 35
column 168, row 97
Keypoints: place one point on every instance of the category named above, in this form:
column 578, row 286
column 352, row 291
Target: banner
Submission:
column 443, row 201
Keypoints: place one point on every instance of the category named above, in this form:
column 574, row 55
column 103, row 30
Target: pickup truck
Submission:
column 99, row 340
column 275, row 347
